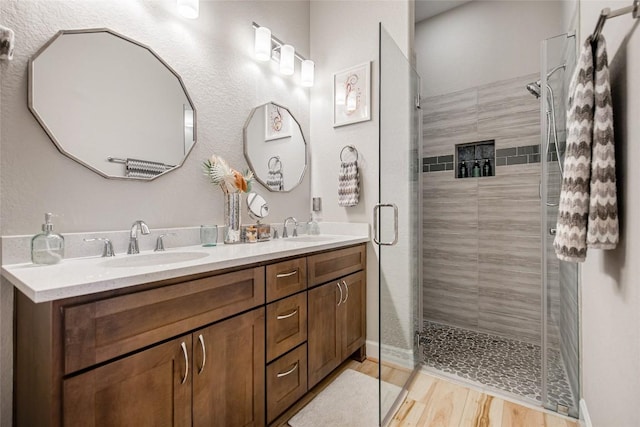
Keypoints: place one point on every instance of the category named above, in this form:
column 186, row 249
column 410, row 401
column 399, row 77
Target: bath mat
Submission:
column 349, row 401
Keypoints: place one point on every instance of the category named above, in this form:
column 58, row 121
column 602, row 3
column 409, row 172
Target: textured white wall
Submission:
column 214, row 57
column 343, row 34
column 482, row 42
column 610, row 287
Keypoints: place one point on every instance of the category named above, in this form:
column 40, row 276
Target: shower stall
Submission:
column 499, row 309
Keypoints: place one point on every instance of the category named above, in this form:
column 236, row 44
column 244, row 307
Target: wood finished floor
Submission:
column 436, row 402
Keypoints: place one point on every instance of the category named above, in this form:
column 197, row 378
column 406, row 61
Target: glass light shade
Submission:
column 189, row 8
column 287, row 53
column 262, row 46
column 307, row 73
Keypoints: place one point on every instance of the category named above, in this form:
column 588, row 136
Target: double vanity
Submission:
column 231, row 335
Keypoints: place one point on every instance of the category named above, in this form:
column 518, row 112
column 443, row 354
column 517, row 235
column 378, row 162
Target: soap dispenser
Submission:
column 313, row 226
column 47, row 247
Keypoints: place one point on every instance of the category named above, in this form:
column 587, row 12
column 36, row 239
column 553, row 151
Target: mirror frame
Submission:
column 50, row 133
column 246, row 154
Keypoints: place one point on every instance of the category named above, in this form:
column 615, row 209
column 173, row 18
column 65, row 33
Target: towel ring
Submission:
column 275, row 163
column 351, row 148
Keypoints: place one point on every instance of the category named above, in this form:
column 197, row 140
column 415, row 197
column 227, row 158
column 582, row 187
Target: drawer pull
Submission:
column 281, row 275
column 286, row 316
column 341, row 294
column 347, row 288
column 186, row 362
column 204, row 354
column 290, row 371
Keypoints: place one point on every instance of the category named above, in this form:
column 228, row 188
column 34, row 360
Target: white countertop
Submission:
column 83, row 276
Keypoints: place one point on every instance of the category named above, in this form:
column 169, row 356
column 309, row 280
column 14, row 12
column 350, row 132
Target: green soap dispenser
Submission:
column 47, row 247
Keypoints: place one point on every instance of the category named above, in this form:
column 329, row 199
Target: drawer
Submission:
column 332, row 265
column 286, row 381
column 286, row 325
column 286, row 278
column 98, row 331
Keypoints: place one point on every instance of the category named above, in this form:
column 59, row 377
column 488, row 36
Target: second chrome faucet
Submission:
column 133, row 236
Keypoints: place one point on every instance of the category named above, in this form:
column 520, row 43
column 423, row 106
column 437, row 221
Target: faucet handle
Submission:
column 107, row 250
column 160, row 242
column 295, row 229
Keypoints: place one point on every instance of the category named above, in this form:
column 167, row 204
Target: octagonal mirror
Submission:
column 275, row 148
column 111, row 104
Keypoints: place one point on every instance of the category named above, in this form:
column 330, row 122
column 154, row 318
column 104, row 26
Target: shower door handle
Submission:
column 376, row 220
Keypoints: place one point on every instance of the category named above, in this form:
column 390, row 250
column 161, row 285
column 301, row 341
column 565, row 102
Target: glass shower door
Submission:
column 396, row 226
column 560, row 356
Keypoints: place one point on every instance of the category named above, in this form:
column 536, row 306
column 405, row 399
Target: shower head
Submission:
column 534, row 88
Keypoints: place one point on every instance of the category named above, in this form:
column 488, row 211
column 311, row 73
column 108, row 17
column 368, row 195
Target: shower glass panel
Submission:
column 397, row 216
column 560, row 364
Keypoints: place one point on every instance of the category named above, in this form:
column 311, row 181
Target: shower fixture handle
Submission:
column 376, row 221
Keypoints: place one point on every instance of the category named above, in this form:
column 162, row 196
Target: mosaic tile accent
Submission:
column 507, row 364
column 518, row 155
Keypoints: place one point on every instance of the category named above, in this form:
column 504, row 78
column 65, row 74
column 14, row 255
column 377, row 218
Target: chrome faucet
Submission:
column 133, row 236
column 295, row 227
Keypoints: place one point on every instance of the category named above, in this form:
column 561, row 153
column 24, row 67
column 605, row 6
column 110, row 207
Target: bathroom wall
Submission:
column 213, row 54
column 610, row 291
column 343, row 34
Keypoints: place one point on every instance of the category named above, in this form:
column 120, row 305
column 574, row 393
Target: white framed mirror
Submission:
column 111, row 104
column 275, row 147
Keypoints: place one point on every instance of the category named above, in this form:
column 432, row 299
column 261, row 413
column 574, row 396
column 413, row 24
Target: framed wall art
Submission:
column 352, row 95
column 277, row 122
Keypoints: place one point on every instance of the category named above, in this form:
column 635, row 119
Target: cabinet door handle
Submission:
column 290, row 371
column 281, row 275
column 347, row 288
column 286, row 316
column 186, row 362
column 340, row 288
column 204, row 354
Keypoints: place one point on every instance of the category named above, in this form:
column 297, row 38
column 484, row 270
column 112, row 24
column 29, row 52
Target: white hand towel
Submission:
column 348, row 184
column 571, row 237
column 7, row 39
column 603, row 207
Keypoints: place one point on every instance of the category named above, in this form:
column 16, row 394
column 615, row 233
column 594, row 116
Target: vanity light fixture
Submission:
column 189, row 8
column 267, row 46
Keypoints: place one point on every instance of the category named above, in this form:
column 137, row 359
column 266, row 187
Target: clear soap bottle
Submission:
column 313, row 226
column 47, row 247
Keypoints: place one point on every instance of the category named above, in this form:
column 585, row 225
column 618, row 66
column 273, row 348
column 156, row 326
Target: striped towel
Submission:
column 588, row 214
column 275, row 180
column 348, row 184
column 602, row 231
column 571, row 236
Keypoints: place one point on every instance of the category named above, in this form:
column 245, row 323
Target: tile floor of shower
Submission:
column 506, row 364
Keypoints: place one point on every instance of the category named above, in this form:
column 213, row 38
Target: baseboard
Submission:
column 585, row 419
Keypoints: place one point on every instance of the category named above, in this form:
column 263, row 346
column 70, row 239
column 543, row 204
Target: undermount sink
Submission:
column 158, row 258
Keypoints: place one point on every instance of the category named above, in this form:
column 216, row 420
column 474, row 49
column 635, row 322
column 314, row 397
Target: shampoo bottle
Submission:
column 47, row 247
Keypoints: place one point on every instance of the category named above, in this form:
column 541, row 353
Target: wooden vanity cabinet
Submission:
column 234, row 349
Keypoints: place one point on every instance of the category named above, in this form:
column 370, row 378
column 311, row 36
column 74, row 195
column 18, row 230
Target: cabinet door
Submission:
column 324, row 335
column 353, row 313
column 229, row 372
column 150, row 388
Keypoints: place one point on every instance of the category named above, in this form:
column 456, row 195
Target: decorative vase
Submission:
column 232, row 217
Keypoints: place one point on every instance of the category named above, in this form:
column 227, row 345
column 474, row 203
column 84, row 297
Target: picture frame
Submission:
column 352, row 95
column 277, row 122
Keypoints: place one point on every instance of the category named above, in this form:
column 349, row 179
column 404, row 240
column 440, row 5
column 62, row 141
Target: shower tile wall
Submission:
column 482, row 236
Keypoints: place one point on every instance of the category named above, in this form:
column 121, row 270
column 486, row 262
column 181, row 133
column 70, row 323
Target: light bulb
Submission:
column 262, row 46
column 307, row 73
column 189, row 8
column 287, row 59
